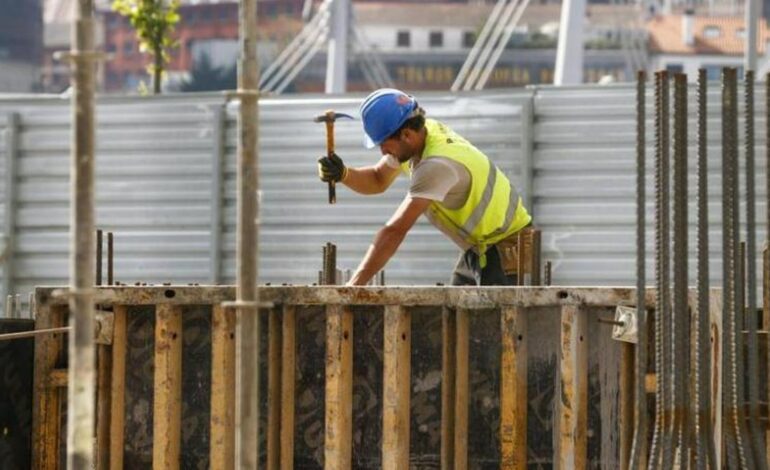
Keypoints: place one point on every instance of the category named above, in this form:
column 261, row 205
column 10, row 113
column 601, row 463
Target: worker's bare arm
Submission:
column 371, row 179
column 388, row 239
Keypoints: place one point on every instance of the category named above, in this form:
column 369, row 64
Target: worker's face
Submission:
column 400, row 146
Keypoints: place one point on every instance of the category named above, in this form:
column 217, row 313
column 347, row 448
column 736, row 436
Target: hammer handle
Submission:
column 329, row 152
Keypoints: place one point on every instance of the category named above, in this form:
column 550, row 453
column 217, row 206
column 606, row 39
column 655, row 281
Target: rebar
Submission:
column 110, row 259
column 639, row 446
column 750, row 320
column 743, row 436
column 98, row 257
column 679, row 321
column 705, row 456
column 547, row 274
column 667, row 443
column 734, row 449
column 661, row 442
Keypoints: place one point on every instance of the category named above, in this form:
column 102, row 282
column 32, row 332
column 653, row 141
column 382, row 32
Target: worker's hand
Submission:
column 332, row 169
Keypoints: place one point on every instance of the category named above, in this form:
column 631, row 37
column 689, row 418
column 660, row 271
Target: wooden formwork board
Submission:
column 481, row 379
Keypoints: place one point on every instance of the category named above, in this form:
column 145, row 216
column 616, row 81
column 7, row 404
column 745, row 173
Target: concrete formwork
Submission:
column 464, row 377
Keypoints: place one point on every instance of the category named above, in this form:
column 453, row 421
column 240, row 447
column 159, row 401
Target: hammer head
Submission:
column 331, row 116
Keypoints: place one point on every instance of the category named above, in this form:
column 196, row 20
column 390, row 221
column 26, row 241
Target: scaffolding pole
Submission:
column 81, row 402
column 247, row 326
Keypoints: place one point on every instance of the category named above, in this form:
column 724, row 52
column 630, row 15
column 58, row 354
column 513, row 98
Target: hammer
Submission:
column 329, row 117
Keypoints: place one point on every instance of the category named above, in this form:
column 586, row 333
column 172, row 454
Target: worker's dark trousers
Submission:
column 468, row 273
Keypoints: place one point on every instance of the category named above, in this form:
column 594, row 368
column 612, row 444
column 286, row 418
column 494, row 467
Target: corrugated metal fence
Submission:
column 166, row 184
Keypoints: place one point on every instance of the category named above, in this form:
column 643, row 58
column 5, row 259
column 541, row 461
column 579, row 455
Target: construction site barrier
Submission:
column 382, row 377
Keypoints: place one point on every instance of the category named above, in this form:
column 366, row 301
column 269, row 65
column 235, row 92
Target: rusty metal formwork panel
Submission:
column 572, row 366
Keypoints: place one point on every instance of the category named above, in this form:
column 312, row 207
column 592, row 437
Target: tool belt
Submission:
column 516, row 252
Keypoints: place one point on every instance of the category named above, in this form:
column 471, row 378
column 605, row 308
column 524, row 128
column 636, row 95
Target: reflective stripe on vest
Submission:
column 481, row 221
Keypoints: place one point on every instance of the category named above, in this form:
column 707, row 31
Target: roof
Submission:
column 474, row 15
column 665, row 34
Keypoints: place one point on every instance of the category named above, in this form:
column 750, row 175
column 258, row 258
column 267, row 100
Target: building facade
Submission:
column 687, row 43
column 21, row 42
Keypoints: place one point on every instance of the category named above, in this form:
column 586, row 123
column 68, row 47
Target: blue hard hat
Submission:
column 383, row 113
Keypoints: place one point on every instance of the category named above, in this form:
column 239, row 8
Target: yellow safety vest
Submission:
column 493, row 211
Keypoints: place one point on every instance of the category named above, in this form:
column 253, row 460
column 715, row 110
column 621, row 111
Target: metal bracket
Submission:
column 625, row 328
column 104, row 327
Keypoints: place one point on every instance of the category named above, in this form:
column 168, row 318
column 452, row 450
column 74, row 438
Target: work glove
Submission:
column 331, row 169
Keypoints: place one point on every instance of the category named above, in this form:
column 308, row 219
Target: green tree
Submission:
column 205, row 77
column 154, row 22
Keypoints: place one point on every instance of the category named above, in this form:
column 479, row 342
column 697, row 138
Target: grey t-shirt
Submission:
column 438, row 179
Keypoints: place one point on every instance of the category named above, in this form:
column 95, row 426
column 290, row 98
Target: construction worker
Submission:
column 452, row 182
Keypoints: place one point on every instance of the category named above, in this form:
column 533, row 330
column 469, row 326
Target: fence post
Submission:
column 7, row 248
column 218, row 153
column 527, row 151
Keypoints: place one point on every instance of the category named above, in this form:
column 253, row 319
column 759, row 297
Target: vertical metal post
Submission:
column 750, row 321
column 337, row 60
column 680, row 318
column 527, row 153
column 9, row 222
column 639, row 447
column 569, row 52
column 81, row 383
column 705, row 456
column 247, row 326
column 218, row 129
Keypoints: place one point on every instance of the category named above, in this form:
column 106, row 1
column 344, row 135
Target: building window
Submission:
column 436, row 39
column 128, row 48
column 674, row 68
column 714, row 72
column 712, row 32
column 403, row 39
column 469, row 38
column 740, row 33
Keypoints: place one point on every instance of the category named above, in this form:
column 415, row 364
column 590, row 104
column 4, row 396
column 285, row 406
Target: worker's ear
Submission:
column 408, row 135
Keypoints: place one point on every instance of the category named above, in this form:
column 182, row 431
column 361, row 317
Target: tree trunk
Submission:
column 157, row 72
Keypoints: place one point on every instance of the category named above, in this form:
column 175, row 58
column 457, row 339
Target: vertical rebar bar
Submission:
column 736, row 457
column 667, row 376
column 680, row 324
column 705, row 456
column 81, row 383
column 743, row 433
column 247, row 324
column 98, row 257
column 639, row 446
column 110, row 258
column 657, row 437
column 547, row 274
column 751, row 278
